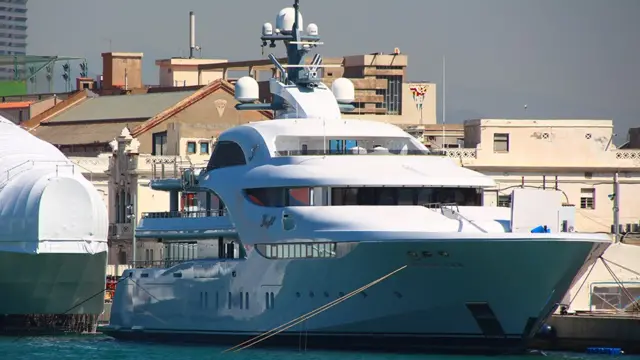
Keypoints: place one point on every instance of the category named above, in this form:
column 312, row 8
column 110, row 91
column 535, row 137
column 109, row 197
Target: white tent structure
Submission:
column 53, row 229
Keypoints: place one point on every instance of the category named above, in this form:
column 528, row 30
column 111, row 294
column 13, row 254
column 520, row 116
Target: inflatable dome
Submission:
column 46, row 204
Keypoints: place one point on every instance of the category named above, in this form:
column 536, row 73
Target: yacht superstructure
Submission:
column 299, row 211
column 53, row 232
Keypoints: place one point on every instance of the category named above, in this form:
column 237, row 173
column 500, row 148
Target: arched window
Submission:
column 225, row 154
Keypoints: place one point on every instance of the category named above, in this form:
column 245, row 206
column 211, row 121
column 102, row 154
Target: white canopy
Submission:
column 46, row 205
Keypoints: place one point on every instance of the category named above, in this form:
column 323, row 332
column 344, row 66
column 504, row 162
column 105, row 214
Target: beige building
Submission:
column 184, row 72
column 576, row 156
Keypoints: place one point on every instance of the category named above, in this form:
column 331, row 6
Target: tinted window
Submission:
column 405, row 196
column 225, row 154
column 279, row 197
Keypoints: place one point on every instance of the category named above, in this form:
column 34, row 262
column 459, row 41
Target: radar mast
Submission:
column 295, row 73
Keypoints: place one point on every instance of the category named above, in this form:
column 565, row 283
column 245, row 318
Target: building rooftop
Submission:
column 83, row 134
column 542, row 122
column 114, row 107
column 15, row 105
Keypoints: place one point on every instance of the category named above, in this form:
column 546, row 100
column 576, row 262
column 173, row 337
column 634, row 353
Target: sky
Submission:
column 575, row 59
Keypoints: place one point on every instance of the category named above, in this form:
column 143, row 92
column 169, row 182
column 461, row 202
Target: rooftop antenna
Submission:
column 192, row 34
column 444, row 99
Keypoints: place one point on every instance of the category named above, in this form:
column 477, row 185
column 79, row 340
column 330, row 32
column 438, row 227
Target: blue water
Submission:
column 101, row 347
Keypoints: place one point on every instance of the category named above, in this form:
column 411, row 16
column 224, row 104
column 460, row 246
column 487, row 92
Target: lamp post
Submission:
column 133, row 216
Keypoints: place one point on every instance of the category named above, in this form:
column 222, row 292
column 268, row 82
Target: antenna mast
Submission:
column 192, row 33
column 444, row 100
column 298, row 44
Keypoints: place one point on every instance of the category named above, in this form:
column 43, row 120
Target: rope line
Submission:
column 583, row 282
column 255, row 340
column 620, row 284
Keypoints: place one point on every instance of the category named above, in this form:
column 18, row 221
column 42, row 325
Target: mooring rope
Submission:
column 583, row 282
column 255, row 340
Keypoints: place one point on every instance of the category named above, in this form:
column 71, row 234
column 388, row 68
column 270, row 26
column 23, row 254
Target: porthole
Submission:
column 297, row 294
column 326, row 294
column 397, row 294
column 340, row 294
column 443, row 253
column 311, row 294
column 427, row 254
column 412, row 254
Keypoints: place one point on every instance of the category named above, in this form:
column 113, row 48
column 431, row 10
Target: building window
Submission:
column 204, row 147
column 191, row 147
column 504, row 200
column 587, row 198
column 159, row 141
column 393, row 94
column 501, row 142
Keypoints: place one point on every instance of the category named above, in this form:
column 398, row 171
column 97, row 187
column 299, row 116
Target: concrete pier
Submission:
column 579, row 331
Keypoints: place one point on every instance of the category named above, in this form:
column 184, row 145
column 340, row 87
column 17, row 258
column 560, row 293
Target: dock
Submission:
column 577, row 332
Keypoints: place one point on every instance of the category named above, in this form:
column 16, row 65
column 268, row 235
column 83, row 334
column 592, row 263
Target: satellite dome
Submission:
column 247, row 89
column 267, row 29
column 343, row 90
column 312, row 30
column 286, row 18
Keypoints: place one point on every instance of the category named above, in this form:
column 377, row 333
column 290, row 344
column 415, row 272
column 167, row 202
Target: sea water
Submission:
column 104, row 348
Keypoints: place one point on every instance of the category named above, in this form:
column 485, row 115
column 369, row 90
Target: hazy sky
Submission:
column 563, row 58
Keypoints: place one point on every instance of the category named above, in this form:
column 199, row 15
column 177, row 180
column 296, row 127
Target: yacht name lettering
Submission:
column 267, row 221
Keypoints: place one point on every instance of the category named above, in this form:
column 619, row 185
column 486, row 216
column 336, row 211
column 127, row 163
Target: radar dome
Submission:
column 343, row 90
column 286, row 18
column 267, row 29
column 312, row 30
column 247, row 89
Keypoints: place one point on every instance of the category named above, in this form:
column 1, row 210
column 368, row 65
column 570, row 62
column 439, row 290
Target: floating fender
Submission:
column 605, row 350
column 547, row 331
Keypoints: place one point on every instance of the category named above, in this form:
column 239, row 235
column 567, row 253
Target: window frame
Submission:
column 588, row 195
column 501, row 138
column 208, row 146
column 163, row 144
column 195, row 148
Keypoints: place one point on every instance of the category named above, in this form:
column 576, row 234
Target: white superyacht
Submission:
column 298, row 212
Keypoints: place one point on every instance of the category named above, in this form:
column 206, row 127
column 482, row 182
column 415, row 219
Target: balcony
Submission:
column 187, row 179
column 461, row 153
column 201, row 224
column 628, row 154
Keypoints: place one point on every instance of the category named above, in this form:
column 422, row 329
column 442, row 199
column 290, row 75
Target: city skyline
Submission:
column 570, row 59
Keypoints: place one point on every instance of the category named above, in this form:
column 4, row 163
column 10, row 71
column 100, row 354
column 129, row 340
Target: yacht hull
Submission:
column 51, row 283
column 471, row 295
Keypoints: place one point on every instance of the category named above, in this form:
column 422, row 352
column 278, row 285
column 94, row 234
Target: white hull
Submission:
column 520, row 280
column 51, row 283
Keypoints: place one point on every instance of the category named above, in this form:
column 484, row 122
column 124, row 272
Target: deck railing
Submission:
column 183, row 214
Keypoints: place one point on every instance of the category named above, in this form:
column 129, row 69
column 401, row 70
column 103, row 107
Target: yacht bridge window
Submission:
column 342, row 196
column 320, row 145
column 225, row 154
